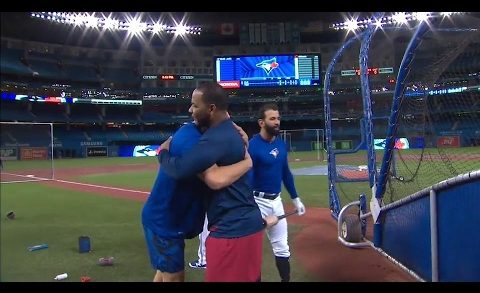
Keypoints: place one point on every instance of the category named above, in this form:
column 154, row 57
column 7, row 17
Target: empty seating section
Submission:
column 7, row 137
column 82, row 73
column 63, row 134
column 15, row 111
column 68, row 68
column 84, row 113
column 30, row 135
column 11, row 62
column 148, row 135
column 46, row 69
column 155, row 117
column 109, row 134
column 121, row 114
column 120, row 75
column 49, row 112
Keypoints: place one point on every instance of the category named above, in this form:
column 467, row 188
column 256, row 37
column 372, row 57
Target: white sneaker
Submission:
column 197, row 265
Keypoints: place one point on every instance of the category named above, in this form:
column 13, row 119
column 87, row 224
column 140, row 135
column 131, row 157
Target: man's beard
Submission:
column 271, row 130
column 203, row 123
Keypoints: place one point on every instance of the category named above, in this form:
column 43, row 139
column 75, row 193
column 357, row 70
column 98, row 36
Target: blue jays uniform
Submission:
column 175, row 209
column 270, row 168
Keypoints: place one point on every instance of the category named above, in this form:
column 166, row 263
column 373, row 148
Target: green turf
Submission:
column 58, row 217
column 76, row 163
column 312, row 189
column 138, row 180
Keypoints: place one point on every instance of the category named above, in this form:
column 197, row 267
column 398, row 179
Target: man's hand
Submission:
column 166, row 144
column 243, row 134
column 299, row 205
column 270, row 221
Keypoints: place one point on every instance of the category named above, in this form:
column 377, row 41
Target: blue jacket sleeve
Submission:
column 287, row 177
column 196, row 160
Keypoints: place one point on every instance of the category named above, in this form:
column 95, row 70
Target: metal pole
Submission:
column 51, row 142
column 434, row 234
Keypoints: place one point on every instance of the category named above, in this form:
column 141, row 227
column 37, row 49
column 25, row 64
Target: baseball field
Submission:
column 102, row 198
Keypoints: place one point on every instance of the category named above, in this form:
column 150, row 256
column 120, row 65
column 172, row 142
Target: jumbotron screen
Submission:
column 263, row 71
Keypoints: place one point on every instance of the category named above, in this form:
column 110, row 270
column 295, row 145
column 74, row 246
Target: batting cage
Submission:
column 417, row 158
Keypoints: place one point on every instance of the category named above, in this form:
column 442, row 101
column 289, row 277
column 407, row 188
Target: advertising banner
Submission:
column 400, row 143
column 138, row 150
column 452, row 141
column 100, row 151
column 33, row 153
column 8, row 154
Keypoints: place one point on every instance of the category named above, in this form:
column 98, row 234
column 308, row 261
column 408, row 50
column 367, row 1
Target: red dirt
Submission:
column 353, row 174
column 316, row 246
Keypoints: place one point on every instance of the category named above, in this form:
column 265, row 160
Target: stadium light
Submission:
column 133, row 25
column 396, row 19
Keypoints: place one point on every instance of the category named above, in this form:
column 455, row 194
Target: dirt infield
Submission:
column 315, row 246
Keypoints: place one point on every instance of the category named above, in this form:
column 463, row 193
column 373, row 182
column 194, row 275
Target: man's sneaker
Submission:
column 197, row 265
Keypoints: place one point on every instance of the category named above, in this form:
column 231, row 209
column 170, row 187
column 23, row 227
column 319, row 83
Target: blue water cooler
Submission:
column 84, row 244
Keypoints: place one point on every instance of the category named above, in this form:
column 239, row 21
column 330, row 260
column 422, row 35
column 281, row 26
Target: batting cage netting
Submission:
column 26, row 152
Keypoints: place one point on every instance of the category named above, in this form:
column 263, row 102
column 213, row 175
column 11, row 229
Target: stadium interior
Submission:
column 394, row 118
column 115, row 88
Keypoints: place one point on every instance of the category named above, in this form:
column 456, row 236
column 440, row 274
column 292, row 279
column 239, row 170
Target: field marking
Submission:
column 34, row 178
column 31, row 178
column 101, row 186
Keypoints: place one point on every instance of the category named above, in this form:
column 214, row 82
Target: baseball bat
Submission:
column 286, row 215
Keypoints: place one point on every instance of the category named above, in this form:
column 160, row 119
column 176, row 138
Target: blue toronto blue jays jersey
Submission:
column 270, row 166
column 232, row 211
column 176, row 207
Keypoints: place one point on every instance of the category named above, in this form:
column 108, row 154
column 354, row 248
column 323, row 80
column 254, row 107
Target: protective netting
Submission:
column 440, row 111
column 26, row 152
column 438, row 126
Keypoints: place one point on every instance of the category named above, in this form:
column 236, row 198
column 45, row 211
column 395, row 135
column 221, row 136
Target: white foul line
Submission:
column 100, row 186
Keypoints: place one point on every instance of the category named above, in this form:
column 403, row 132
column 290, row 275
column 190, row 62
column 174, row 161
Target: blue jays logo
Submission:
column 274, row 152
column 268, row 65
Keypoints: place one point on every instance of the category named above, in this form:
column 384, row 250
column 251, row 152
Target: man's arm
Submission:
column 220, row 177
column 199, row 158
column 287, row 178
column 290, row 186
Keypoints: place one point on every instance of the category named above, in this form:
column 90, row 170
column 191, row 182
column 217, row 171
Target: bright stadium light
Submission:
column 400, row 17
column 156, row 28
column 395, row 19
column 133, row 25
column 180, row 29
column 352, row 25
column 421, row 16
column 110, row 23
column 91, row 21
